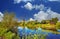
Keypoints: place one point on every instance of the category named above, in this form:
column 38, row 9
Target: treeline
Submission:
column 10, row 22
column 35, row 24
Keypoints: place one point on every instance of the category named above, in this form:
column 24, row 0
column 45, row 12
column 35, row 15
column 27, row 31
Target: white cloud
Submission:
column 40, row 7
column 40, row 16
column 45, row 15
column 54, row 0
column 1, row 16
column 51, row 0
column 28, row 6
column 31, row 19
column 18, row 1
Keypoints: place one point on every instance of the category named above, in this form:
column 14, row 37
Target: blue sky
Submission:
column 28, row 8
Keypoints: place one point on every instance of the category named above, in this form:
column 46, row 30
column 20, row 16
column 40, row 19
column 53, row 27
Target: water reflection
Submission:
column 25, row 32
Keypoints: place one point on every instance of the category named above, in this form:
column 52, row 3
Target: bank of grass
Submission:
column 10, row 35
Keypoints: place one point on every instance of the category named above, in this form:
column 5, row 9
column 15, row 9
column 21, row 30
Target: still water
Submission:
column 27, row 31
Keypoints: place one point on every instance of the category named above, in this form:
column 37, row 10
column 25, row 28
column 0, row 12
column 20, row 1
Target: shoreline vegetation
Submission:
column 9, row 24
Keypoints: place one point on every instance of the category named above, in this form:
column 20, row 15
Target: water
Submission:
column 53, row 36
column 27, row 31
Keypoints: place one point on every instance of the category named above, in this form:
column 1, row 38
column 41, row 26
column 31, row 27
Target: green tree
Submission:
column 54, row 20
column 43, row 22
column 9, row 20
column 58, row 25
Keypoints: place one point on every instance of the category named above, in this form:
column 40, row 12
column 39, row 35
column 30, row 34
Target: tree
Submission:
column 43, row 21
column 9, row 22
column 54, row 20
column 58, row 25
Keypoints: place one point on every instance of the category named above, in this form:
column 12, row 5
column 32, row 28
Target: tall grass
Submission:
column 34, row 36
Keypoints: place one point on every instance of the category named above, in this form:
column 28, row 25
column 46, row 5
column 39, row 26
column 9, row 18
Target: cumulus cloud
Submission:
column 54, row 0
column 46, row 15
column 29, row 6
column 40, row 7
column 40, row 16
column 18, row 1
column 51, row 0
column 1, row 16
column 31, row 19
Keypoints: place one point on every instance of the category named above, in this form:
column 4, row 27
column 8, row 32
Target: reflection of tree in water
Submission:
column 33, row 36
